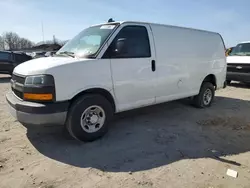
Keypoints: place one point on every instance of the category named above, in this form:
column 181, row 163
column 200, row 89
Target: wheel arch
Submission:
column 212, row 79
column 100, row 91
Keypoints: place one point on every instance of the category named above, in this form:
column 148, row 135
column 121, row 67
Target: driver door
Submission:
column 132, row 59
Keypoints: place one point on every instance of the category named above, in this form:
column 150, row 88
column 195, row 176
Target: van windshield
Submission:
column 241, row 50
column 88, row 42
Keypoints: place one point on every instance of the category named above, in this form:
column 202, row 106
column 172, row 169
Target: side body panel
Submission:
column 184, row 58
column 172, row 73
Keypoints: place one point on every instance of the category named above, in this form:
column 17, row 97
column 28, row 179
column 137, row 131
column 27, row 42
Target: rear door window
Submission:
column 4, row 56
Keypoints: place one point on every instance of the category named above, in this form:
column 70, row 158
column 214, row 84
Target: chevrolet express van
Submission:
column 114, row 67
column 238, row 63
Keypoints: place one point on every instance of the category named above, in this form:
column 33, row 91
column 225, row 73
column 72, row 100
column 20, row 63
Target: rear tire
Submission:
column 205, row 97
column 88, row 117
column 229, row 82
column 247, row 84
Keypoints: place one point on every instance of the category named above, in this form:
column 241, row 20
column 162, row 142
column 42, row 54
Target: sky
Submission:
column 66, row 18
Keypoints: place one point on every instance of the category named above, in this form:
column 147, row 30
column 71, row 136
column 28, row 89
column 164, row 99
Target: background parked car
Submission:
column 9, row 60
column 39, row 54
column 49, row 54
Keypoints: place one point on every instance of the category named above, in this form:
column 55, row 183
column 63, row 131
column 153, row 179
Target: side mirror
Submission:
column 121, row 46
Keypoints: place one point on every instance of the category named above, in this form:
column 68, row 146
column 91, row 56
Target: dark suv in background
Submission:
column 9, row 60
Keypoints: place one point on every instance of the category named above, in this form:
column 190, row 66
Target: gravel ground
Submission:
column 169, row 145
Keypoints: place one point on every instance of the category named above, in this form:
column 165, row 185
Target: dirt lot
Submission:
column 169, row 145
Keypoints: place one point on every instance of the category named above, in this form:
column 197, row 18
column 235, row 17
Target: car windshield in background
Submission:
column 241, row 50
column 88, row 42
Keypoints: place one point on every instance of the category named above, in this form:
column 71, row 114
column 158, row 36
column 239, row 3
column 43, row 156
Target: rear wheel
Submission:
column 247, row 84
column 206, row 95
column 88, row 117
column 229, row 82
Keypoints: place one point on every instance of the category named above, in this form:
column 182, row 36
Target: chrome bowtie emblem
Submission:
column 238, row 67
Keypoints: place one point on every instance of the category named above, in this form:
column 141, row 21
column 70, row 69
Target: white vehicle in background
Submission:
column 238, row 63
column 114, row 67
column 50, row 53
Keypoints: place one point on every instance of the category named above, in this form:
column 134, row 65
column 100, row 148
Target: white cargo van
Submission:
column 114, row 67
column 238, row 63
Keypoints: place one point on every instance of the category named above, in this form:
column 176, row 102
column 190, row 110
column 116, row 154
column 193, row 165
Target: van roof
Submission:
column 244, row 42
column 140, row 22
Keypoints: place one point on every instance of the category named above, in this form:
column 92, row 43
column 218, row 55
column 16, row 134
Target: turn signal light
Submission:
column 38, row 97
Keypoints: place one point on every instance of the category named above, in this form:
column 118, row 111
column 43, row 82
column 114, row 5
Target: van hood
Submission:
column 238, row 59
column 41, row 65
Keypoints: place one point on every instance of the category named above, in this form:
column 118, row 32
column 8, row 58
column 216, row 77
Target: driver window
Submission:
column 131, row 42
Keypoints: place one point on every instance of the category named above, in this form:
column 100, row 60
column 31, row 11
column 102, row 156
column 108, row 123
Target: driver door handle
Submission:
column 153, row 65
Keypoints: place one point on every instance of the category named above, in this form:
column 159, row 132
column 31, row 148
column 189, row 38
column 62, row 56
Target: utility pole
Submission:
column 42, row 33
column 54, row 39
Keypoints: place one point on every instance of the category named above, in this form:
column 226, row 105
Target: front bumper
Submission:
column 236, row 76
column 36, row 113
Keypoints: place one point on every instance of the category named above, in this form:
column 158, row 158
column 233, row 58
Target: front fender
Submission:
column 71, row 79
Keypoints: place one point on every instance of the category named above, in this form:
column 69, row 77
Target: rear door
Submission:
column 133, row 69
column 20, row 58
column 6, row 64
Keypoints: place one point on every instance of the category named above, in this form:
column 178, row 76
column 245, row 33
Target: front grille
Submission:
column 19, row 82
column 19, row 94
column 240, row 68
column 18, row 79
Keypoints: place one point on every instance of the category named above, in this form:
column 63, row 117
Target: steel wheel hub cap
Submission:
column 92, row 119
column 207, row 97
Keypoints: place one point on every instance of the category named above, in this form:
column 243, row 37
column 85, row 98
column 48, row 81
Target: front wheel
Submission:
column 88, row 117
column 205, row 96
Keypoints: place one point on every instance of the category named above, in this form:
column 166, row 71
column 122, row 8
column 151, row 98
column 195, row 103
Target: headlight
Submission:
column 39, row 88
column 39, row 80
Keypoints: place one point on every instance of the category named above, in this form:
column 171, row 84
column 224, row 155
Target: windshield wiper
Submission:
column 71, row 54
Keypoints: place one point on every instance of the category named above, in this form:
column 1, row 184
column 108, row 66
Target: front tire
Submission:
column 206, row 95
column 88, row 117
